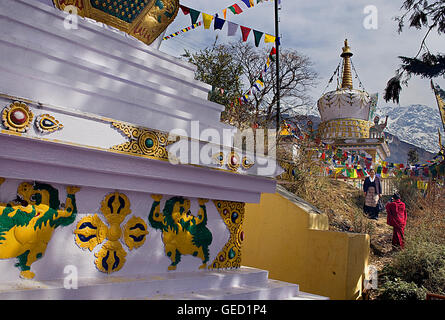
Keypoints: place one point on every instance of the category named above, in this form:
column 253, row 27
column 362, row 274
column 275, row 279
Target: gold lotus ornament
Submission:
column 143, row 19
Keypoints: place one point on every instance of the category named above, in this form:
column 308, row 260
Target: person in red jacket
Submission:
column 396, row 217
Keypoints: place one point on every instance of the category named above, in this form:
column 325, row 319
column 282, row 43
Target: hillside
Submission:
column 423, row 259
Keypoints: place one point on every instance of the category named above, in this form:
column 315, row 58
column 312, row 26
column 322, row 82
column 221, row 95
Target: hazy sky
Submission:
column 317, row 29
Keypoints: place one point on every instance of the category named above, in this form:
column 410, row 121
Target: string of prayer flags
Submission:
column 232, row 27
column 183, row 31
column 259, row 82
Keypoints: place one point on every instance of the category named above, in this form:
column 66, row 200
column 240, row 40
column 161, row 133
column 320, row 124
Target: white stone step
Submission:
column 114, row 287
column 237, row 284
column 269, row 290
column 307, row 296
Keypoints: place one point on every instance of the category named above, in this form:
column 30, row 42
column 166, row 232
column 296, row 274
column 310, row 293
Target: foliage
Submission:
column 235, row 68
column 409, row 194
column 216, row 67
column 413, row 156
column 421, row 265
column 401, row 290
column 420, row 14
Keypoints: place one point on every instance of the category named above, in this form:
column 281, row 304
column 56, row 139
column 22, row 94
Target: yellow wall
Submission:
column 292, row 241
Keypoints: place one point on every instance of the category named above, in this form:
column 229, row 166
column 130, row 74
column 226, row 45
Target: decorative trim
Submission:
column 17, row 117
column 247, row 163
column 344, row 128
column 150, row 143
column 232, row 161
column 46, row 123
column 232, row 214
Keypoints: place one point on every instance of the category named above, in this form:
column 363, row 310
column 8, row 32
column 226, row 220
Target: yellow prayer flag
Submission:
column 269, row 38
column 225, row 14
column 207, row 20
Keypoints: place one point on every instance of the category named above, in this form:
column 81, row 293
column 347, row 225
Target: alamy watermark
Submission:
column 371, row 279
column 72, row 19
column 199, row 147
column 71, row 279
column 371, row 20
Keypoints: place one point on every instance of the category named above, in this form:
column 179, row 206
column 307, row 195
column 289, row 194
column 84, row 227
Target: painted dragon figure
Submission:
column 27, row 223
column 182, row 232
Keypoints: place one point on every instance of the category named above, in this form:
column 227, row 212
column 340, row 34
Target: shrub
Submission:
column 420, row 265
column 401, row 290
column 408, row 191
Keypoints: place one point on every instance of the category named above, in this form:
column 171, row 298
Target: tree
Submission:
column 215, row 66
column 235, row 68
column 413, row 156
column 420, row 14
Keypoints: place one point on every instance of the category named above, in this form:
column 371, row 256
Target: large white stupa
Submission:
column 347, row 114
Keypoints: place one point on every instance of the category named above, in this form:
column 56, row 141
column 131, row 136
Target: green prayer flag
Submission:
column 194, row 14
column 258, row 35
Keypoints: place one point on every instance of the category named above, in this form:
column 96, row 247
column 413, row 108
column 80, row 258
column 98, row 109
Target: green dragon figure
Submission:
column 27, row 224
column 182, row 233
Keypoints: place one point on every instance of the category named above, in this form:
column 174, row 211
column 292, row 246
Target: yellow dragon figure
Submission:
column 27, row 223
column 182, row 232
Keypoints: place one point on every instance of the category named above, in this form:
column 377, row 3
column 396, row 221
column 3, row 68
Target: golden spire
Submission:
column 347, row 75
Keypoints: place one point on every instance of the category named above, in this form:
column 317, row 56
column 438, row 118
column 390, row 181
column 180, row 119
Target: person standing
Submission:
column 373, row 192
column 396, row 217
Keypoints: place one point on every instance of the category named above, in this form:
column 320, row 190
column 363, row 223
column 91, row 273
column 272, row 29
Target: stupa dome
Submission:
column 143, row 19
column 344, row 103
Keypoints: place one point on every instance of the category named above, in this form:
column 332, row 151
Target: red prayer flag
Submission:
column 246, row 32
column 185, row 10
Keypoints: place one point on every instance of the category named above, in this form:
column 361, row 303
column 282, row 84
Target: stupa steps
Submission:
column 48, row 23
column 236, row 284
column 98, row 67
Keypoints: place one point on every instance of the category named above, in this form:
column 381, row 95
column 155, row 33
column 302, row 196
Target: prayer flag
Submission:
column 219, row 23
column 207, row 20
column 247, row 3
column 194, row 14
column 185, row 10
column 231, row 28
column 269, row 38
column 440, row 97
column 258, row 35
column 235, row 9
column 245, row 31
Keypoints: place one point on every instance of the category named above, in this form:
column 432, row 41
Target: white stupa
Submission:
column 346, row 115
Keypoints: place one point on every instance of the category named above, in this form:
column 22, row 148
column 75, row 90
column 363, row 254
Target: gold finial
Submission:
column 347, row 74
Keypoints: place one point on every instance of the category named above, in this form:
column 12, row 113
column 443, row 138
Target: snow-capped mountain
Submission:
column 414, row 124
